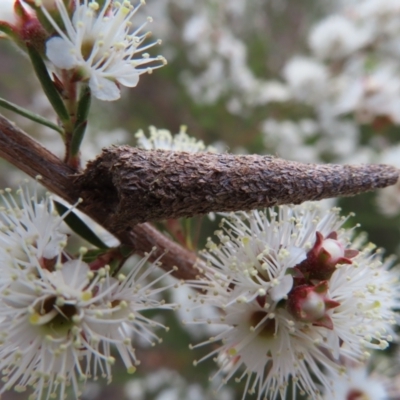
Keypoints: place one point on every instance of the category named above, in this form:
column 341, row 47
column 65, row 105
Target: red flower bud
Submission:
column 322, row 259
column 24, row 27
column 309, row 303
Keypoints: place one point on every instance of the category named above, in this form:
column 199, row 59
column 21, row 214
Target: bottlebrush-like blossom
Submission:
column 60, row 318
column 294, row 296
column 163, row 140
column 96, row 42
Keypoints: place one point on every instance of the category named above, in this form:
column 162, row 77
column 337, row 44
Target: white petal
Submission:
column 278, row 292
column 126, row 75
column 75, row 273
column 7, row 13
column 130, row 80
column 60, row 53
column 297, row 255
column 104, row 89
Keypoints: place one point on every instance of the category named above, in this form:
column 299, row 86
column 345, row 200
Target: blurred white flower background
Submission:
column 314, row 81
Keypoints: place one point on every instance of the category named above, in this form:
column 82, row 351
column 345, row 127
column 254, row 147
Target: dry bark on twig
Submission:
column 32, row 158
column 136, row 185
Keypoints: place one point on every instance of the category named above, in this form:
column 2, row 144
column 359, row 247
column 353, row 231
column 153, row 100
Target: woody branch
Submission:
column 126, row 186
column 29, row 156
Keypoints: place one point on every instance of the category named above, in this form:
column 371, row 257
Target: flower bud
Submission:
column 33, row 33
column 20, row 23
column 322, row 259
column 310, row 304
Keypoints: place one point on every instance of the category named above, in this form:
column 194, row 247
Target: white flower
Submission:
column 358, row 383
column 58, row 325
column 163, row 140
column 271, row 91
column 58, row 318
column 388, row 199
column 7, row 13
column 287, row 138
column 307, row 79
column 370, row 95
column 381, row 16
column 337, row 37
column 29, row 229
column 98, row 45
column 165, row 384
column 293, row 298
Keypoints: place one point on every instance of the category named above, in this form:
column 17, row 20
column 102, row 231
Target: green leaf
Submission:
column 77, row 136
column 48, row 85
column 83, row 105
column 11, row 32
column 93, row 254
column 81, row 120
column 126, row 251
column 30, row 115
column 79, row 227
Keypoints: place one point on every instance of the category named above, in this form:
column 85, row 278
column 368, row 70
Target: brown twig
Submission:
column 32, row 158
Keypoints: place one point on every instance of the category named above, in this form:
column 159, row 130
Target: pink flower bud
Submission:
column 21, row 24
column 322, row 259
column 310, row 304
column 331, row 252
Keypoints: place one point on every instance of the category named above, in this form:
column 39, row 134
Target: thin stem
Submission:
column 81, row 121
column 70, row 101
column 30, row 115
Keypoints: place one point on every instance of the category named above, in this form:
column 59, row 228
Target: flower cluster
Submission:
column 352, row 69
column 92, row 40
column 218, row 67
column 61, row 318
column 343, row 47
column 292, row 300
column 295, row 296
column 163, row 140
column 359, row 383
column 97, row 43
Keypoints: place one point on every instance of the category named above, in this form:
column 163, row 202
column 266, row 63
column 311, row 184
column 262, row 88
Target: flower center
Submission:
column 356, row 395
column 54, row 317
column 86, row 49
column 259, row 320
